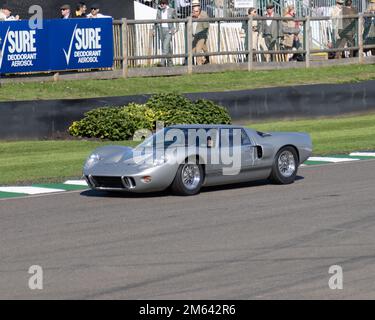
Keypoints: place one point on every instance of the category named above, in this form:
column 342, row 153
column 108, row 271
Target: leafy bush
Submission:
column 165, row 102
column 208, row 112
column 114, row 123
column 120, row 123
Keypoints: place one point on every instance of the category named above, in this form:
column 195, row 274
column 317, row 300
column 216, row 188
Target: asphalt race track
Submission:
column 253, row 241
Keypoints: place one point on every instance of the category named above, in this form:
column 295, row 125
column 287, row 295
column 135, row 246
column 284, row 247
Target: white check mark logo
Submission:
column 3, row 47
column 67, row 54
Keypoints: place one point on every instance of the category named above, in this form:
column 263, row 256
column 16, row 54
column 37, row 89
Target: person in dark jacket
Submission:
column 80, row 10
column 65, row 11
column 200, row 33
column 272, row 30
column 348, row 28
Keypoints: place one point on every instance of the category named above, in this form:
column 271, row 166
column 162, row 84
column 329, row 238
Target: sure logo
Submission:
column 21, row 41
column 19, row 48
column 88, row 38
column 87, row 45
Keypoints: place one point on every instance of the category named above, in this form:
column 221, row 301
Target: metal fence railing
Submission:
column 325, row 5
column 227, row 8
column 242, row 40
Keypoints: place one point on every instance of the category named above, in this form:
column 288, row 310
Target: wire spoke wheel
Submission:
column 191, row 176
column 285, row 166
column 286, row 163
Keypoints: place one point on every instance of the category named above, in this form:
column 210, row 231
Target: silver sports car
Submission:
column 188, row 157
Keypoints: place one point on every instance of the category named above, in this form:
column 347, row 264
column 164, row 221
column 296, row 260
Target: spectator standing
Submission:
column 252, row 12
column 65, row 11
column 81, row 9
column 369, row 30
column 200, row 33
column 258, row 40
column 337, row 25
column 348, row 27
column 7, row 12
column 272, row 31
column 290, row 30
column 95, row 12
column 166, row 30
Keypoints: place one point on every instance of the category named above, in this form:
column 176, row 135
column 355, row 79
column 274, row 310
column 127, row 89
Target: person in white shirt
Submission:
column 95, row 12
column 2, row 16
column 7, row 12
column 166, row 30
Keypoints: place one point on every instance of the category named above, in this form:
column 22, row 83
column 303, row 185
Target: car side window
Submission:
column 231, row 137
column 203, row 137
column 245, row 140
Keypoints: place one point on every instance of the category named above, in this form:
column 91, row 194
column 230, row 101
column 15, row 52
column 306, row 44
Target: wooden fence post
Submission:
column 360, row 37
column 124, row 37
column 189, row 36
column 250, row 43
column 307, row 41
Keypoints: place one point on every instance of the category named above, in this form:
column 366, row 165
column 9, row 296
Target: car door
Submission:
column 248, row 153
column 237, row 156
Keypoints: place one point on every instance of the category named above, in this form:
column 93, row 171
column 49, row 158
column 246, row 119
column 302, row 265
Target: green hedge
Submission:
column 120, row 123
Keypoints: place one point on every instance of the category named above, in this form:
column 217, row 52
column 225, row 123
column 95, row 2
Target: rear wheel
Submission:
column 188, row 180
column 285, row 166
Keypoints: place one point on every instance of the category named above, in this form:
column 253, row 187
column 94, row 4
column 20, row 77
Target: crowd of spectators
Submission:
column 287, row 34
column 270, row 34
column 65, row 12
column 80, row 11
column 167, row 30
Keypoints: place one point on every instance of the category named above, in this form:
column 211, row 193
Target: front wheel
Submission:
column 285, row 166
column 188, row 180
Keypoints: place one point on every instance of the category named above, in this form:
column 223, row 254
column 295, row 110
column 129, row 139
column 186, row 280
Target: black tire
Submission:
column 179, row 187
column 285, row 166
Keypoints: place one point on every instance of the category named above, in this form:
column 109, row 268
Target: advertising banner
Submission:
column 23, row 49
column 64, row 44
column 82, row 43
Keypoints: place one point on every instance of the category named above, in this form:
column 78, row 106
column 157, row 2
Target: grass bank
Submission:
column 227, row 81
column 53, row 161
column 25, row 162
column 331, row 135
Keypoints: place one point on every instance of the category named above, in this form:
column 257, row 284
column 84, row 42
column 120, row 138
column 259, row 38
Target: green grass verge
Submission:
column 331, row 135
column 238, row 80
column 54, row 161
column 27, row 162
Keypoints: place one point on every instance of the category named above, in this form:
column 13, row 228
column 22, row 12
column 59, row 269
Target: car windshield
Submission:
column 180, row 137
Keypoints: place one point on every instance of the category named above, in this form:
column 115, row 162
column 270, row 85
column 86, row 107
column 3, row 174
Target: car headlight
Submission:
column 91, row 160
column 160, row 161
column 149, row 162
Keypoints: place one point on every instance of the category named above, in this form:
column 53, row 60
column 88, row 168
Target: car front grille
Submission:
column 111, row 182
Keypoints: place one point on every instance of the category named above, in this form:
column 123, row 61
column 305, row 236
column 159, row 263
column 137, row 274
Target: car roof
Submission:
column 205, row 126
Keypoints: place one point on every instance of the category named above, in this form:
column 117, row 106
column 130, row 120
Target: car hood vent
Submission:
column 264, row 134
